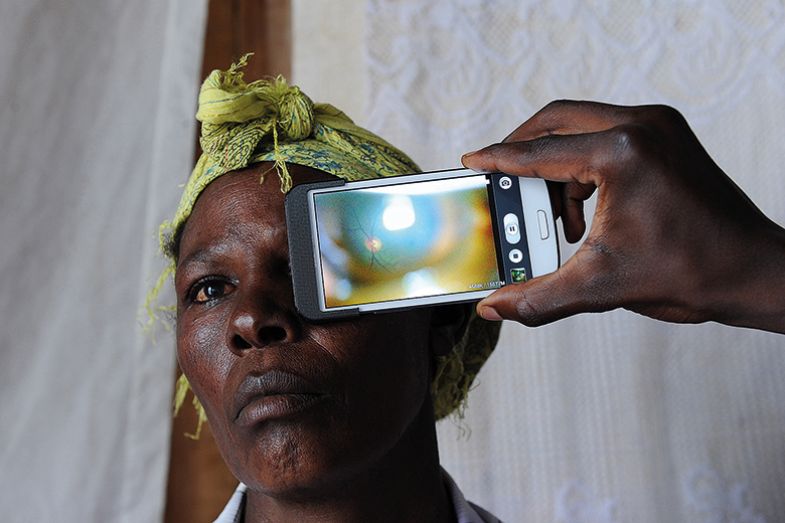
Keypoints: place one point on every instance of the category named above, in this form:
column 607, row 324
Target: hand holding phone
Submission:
column 672, row 238
column 415, row 240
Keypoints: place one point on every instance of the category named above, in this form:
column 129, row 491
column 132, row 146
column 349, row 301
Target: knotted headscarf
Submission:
column 269, row 120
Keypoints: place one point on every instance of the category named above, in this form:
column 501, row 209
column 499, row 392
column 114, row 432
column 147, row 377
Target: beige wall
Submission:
column 327, row 53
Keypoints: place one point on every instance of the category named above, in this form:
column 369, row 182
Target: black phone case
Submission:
column 301, row 254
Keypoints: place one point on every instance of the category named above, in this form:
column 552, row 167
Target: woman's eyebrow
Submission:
column 199, row 256
column 204, row 255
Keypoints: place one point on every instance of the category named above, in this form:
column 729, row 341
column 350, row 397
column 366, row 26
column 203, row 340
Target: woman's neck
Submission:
column 405, row 485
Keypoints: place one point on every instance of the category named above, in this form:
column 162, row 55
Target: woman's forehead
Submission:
column 239, row 197
column 242, row 205
column 234, row 208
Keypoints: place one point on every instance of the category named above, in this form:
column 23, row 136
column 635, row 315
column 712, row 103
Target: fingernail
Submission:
column 490, row 314
column 468, row 157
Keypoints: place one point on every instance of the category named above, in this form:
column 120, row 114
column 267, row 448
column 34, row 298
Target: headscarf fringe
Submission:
column 181, row 390
column 152, row 311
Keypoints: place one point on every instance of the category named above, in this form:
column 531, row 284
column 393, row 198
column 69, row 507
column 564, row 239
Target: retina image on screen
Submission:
column 406, row 241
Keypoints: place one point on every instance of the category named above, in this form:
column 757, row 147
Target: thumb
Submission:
column 570, row 290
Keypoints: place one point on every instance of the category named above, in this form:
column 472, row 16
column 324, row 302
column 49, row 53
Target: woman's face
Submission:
column 292, row 405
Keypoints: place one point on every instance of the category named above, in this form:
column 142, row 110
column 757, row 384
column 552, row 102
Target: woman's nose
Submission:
column 261, row 325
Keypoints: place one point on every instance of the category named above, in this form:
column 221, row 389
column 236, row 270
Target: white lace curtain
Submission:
column 602, row 418
column 96, row 133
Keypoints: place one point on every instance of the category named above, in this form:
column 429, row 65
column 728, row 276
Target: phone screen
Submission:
column 409, row 240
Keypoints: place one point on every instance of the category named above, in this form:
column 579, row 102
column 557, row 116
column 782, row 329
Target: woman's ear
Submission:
column 448, row 324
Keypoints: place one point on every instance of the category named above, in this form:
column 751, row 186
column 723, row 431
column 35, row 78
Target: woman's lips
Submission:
column 267, row 407
column 274, row 394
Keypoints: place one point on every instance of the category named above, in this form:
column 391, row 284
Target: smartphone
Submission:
column 415, row 240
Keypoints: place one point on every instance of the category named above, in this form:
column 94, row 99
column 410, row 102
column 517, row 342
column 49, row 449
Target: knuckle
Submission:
column 554, row 104
column 547, row 113
column 665, row 114
column 519, row 151
column 528, row 315
column 538, row 145
column 527, row 312
column 631, row 142
column 494, row 150
column 560, row 105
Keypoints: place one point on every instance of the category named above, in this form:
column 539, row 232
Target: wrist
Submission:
column 753, row 294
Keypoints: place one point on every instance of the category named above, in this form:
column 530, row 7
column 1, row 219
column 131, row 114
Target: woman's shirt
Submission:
column 465, row 511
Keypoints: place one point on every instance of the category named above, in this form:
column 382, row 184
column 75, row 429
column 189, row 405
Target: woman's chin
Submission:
column 290, row 460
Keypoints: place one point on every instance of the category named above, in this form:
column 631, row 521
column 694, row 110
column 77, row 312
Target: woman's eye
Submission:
column 210, row 290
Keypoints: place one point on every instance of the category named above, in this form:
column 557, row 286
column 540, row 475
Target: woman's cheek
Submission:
column 202, row 353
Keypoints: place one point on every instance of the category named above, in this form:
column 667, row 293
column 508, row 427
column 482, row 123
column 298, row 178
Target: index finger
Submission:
column 581, row 158
column 571, row 117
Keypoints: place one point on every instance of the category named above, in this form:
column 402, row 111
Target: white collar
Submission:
column 234, row 509
column 465, row 511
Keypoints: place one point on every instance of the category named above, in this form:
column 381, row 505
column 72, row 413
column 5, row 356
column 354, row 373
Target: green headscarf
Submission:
column 269, row 120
